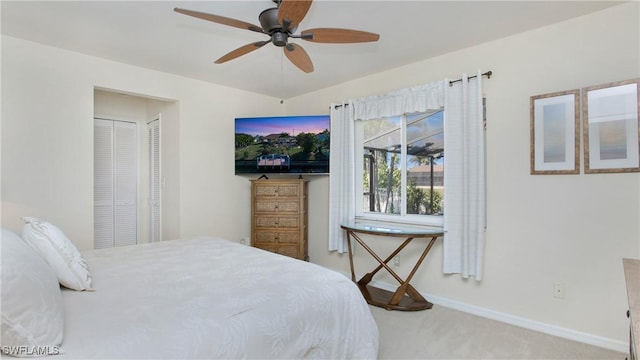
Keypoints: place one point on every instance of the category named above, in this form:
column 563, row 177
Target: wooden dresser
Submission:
column 279, row 216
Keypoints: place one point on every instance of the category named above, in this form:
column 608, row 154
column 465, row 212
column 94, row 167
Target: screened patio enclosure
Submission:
column 404, row 164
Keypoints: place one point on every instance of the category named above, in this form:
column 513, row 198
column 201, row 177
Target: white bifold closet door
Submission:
column 115, row 183
column 155, row 180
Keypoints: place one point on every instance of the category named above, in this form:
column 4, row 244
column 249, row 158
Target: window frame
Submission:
column 403, row 217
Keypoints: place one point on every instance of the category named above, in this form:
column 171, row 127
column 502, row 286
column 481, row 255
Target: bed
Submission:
column 212, row 298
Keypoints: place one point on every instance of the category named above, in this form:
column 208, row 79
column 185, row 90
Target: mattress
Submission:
column 213, row 298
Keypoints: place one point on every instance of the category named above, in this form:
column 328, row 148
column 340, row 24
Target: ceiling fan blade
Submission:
column 241, row 51
column 291, row 12
column 332, row 35
column 220, row 20
column 297, row 55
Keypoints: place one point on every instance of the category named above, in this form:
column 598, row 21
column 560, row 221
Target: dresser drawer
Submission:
column 291, row 251
column 280, row 222
column 279, row 190
column 270, row 206
column 283, row 237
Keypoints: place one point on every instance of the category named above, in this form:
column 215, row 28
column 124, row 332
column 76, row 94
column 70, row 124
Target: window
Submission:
column 402, row 168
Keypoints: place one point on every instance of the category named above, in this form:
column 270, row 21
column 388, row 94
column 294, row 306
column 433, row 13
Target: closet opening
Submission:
column 131, row 157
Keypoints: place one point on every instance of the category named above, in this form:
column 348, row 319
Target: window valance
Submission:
column 406, row 101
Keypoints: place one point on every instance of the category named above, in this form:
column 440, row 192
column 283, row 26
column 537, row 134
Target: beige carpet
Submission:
column 443, row 333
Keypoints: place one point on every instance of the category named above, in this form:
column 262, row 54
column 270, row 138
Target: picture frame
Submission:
column 611, row 127
column 555, row 133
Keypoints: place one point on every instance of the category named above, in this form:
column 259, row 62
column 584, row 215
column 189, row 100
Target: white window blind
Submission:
column 115, row 183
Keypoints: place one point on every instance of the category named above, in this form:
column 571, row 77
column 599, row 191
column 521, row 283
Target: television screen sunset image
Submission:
column 286, row 144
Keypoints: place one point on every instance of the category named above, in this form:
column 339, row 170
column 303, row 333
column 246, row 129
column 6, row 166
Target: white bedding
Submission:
column 212, row 298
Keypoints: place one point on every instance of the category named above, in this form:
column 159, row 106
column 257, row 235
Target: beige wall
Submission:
column 542, row 229
column 47, row 142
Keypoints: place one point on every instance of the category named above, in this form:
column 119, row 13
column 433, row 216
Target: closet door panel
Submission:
column 115, row 183
column 103, row 184
column 154, row 179
column 125, row 194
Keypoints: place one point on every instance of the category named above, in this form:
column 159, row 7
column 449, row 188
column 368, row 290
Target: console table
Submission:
column 406, row 297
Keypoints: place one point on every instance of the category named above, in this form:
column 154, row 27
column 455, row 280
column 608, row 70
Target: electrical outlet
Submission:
column 396, row 261
column 558, row 290
column 244, row 241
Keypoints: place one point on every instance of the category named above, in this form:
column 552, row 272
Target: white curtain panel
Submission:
column 342, row 197
column 464, row 181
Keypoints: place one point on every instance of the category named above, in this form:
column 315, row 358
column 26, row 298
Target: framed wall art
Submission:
column 611, row 127
column 555, row 127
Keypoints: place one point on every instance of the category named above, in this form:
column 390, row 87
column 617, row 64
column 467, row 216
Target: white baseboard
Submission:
column 554, row 330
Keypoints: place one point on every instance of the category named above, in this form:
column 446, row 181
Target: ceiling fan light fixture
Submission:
column 279, row 38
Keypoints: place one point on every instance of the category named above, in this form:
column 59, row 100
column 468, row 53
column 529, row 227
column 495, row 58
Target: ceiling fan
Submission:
column 280, row 24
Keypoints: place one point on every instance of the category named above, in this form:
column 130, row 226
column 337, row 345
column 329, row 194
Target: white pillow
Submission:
column 32, row 318
column 59, row 252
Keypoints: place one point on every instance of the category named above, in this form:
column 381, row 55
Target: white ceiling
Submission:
column 151, row 35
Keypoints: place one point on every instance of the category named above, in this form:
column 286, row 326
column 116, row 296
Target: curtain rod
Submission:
column 487, row 74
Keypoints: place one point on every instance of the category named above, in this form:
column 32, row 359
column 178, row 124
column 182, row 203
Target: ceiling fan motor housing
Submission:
column 269, row 22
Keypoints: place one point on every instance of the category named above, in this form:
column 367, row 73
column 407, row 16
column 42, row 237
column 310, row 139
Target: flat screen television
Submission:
column 282, row 145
